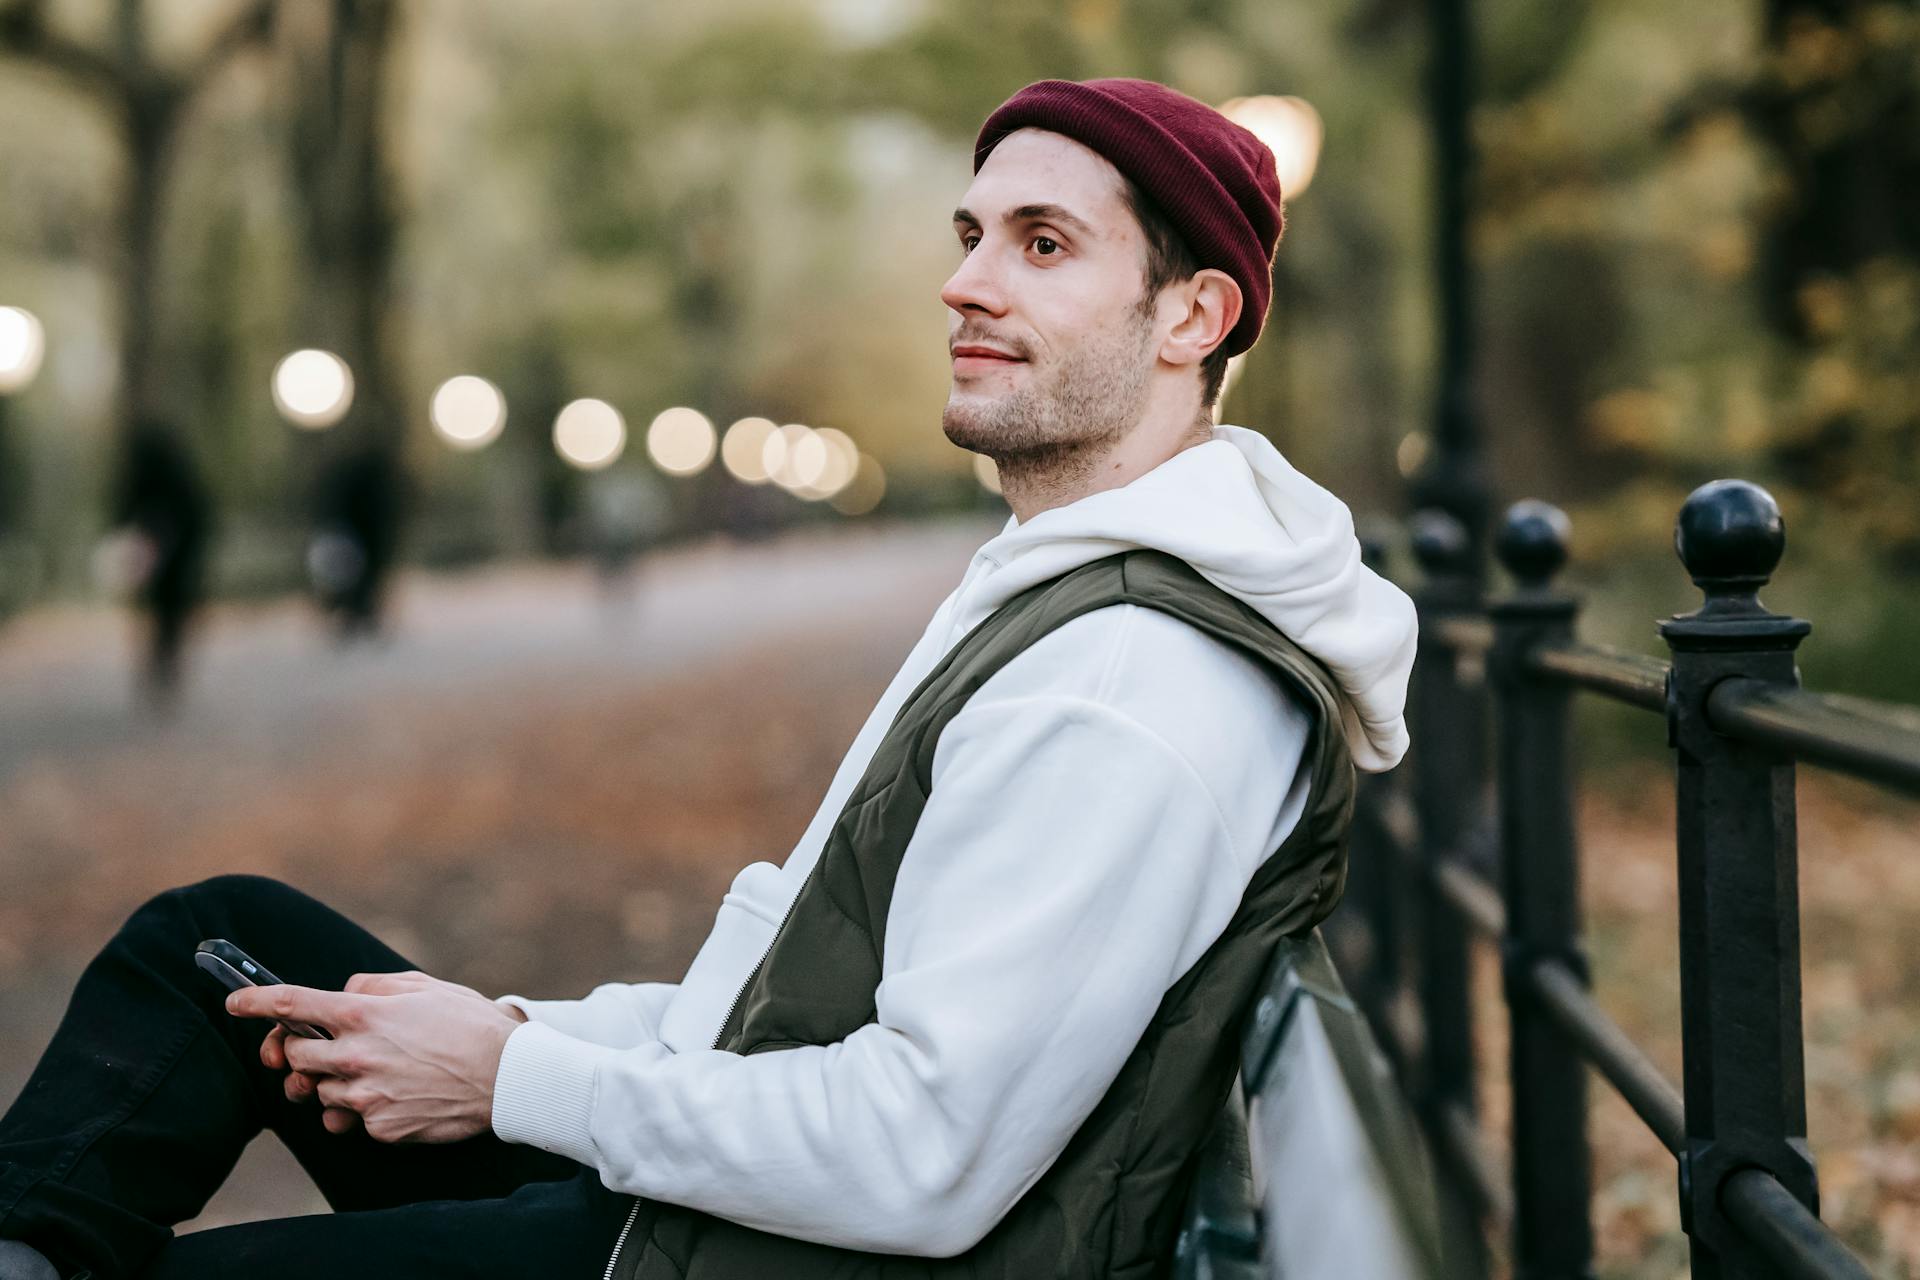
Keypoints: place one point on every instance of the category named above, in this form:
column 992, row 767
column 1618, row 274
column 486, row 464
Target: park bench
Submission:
column 1316, row 1167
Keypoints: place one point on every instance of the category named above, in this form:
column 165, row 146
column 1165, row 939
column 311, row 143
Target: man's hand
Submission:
column 413, row 1057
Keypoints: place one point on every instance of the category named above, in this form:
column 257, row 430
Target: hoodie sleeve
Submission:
column 617, row 1014
column 1068, row 865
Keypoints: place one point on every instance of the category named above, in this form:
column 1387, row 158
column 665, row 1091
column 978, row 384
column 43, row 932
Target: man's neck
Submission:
column 1036, row 482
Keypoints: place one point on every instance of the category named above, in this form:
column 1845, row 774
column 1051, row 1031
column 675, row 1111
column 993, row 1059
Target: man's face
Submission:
column 1051, row 347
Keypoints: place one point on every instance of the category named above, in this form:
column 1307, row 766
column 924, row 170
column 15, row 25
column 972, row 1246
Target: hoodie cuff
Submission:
column 543, row 1095
column 535, row 1010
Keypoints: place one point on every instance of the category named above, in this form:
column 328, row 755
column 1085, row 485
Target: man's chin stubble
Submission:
column 1024, row 454
column 1003, row 443
column 979, row 428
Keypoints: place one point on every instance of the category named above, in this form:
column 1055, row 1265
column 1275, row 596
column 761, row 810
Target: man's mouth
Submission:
column 973, row 356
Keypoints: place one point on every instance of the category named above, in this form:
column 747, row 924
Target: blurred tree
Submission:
column 1837, row 102
column 337, row 54
column 1785, row 187
column 148, row 100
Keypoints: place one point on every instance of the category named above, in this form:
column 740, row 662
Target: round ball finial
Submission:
column 1533, row 541
column 1439, row 542
column 1730, row 537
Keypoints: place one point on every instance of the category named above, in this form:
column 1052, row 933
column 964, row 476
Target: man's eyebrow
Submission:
column 1058, row 215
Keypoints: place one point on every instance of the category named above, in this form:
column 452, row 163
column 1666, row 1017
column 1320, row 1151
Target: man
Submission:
column 160, row 497
column 980, row 1020
column 359, row 503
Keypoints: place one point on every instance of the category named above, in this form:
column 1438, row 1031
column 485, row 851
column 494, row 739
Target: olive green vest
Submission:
column 1110, row 1205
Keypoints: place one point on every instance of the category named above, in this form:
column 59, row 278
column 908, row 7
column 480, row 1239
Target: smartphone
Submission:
column 233, row 969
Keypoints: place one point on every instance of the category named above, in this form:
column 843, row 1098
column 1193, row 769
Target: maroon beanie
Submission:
column 1214, row 180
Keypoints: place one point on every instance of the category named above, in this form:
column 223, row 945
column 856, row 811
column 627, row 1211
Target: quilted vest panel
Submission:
column 1109, row 1205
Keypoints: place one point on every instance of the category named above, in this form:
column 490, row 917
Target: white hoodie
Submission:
column 1098, row 809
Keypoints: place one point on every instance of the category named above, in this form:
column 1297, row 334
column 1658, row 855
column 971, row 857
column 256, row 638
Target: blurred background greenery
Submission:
column 1696, row 230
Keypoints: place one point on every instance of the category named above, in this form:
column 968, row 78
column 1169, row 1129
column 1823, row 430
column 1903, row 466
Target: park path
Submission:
column 260, row 671
column 532, row 786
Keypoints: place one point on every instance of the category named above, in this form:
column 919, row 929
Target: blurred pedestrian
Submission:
column 626, row 515
column 358, row 506
column 163, row 518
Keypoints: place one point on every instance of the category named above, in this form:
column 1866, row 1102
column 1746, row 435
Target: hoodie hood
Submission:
column 1237, row 511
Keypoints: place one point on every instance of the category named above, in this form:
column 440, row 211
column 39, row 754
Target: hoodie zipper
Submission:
column 634, row 1212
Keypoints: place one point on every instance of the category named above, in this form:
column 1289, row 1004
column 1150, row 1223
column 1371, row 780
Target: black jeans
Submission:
column 150, row 1090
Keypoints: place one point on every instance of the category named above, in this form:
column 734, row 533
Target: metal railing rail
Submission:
column 1492, row 686
column 1612, row 1052
column 1842, row 735
column 1629, row 677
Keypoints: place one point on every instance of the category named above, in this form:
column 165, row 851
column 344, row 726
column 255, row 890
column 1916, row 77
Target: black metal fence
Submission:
column 1475, row 839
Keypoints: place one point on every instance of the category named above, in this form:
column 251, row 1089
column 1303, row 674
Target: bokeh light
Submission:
column 843, row 460
column 1229, row 380
column 468, row 412
column 863, row 493
column 1292, row 130
column 681, row 441
column 986, row 473
column 743, row 450
column 22, row 345
column 589, row 434
column 312, row 388
column 1412, row 453
column 795, row 456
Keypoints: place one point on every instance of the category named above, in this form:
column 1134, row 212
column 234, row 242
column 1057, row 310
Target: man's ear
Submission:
column 1213, row 309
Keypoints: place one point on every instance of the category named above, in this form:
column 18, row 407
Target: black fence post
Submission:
column 1450, row 796
column 1744, row 1078
column 1553, row 1237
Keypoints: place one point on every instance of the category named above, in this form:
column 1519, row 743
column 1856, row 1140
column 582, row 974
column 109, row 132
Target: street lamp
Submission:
column 23, row 343
column 843, row 463
column 468, row 412
column 681, row 441
column 795, row 456
column 312, row 388
column 744, row 448
column 589, row 434
column 863, row 493
column 1293, row 132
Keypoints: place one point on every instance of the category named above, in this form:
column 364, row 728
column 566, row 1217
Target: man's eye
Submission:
column 967, row 243
column 1045, row 245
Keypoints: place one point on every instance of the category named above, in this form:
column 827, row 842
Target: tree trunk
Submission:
column 147, row 104
column 149, row 133
column 339, row 55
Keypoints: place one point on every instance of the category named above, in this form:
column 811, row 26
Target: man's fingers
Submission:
column 273, row 1054
column 321, row 1057
column 330, row 1009
column 339, row 1120
column 377, row 984
column 345, row 1095
column 299, row 1087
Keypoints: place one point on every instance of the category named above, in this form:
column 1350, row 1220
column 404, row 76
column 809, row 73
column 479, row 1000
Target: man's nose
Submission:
column 975, row 286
